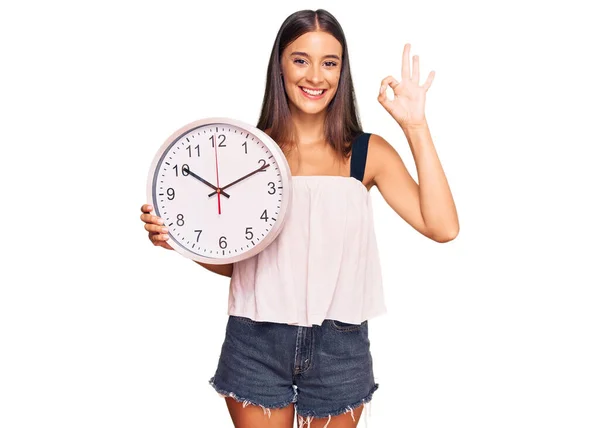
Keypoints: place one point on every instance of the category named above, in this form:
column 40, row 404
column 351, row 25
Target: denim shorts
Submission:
column 324, row 370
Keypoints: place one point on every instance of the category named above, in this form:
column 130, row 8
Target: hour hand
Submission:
column 212, row 186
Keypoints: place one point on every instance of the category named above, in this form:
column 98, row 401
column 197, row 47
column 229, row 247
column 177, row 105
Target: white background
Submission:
column 499, row 328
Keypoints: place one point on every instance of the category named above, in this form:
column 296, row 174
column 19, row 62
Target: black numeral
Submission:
column 221, row 138
column 197, row 148
column 245, row 147
column 264, row 215
column 185, row 169
column 170, row 193
column 180, row 221
column 249, row 234
column 223, row 242
column 262, row 162
column 198, row 232
column 271, row 187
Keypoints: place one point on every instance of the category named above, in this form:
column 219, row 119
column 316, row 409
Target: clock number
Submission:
column 185, row 169
column 223, row 242
column 249, row 234
column 221, row 138
column 180, row 221
column 245, row 147
column 198, row 232
column 263, row 164
column 264, row 215
column 271, row 187
column 170, row 193
column 197, row 148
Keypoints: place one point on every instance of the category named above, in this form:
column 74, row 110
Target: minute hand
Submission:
column 206, row 182
column 262, row 168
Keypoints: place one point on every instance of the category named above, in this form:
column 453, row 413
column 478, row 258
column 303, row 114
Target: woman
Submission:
column 297, row 336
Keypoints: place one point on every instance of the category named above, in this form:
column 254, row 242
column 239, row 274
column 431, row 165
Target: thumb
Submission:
column 383, row 99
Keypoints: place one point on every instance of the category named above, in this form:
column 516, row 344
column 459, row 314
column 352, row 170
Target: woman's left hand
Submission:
column 408, row 105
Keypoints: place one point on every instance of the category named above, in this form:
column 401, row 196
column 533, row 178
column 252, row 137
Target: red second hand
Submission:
column 217, row 166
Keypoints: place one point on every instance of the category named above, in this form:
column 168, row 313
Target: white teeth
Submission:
column 311, row 92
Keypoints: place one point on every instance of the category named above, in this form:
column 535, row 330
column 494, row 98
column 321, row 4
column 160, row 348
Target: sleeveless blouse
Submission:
column 324, row 264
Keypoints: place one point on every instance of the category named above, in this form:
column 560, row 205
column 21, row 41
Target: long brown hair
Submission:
column 342, row 123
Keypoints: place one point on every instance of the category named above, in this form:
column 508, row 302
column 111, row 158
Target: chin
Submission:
column 314, row 110
column 311, row 107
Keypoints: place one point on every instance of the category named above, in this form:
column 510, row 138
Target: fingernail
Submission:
column 165, row 230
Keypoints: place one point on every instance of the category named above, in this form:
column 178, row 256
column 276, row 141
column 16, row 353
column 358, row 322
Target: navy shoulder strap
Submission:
column 360, row 146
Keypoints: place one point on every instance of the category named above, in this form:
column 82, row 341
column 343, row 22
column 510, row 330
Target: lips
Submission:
column 312, row 93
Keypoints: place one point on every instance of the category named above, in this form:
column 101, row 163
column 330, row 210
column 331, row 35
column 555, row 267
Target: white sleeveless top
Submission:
column 323, row 265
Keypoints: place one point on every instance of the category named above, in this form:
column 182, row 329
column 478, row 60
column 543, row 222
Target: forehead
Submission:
column 315, row 43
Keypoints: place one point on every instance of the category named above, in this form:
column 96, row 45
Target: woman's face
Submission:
column 311, row 67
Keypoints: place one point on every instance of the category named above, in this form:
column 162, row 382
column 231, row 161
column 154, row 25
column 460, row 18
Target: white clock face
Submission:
column 219, row 189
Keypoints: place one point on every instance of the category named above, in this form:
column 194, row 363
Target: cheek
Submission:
column 334, row 78
column 292, row 76
column 334, row 82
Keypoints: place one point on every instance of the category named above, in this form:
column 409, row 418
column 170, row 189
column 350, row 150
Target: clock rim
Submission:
column 286, row 177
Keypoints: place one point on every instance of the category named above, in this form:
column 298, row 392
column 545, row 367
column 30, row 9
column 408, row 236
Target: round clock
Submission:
column 222, row 188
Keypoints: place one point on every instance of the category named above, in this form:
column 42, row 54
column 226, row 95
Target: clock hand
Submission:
column 206, row 182
column 262, row 168
column 217, row 166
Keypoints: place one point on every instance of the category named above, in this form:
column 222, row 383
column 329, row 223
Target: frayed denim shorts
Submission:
column 324, row 370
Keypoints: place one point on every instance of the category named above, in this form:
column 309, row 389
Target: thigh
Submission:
column 347, row 420
column 257, row 417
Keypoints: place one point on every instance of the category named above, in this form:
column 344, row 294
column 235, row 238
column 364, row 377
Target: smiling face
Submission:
column 311, row 67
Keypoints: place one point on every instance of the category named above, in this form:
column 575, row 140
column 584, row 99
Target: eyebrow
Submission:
column 304, row 54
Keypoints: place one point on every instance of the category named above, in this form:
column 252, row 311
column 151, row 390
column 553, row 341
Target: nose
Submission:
column 314, row 74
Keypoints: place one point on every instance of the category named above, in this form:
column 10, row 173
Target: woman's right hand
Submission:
column 157, row 233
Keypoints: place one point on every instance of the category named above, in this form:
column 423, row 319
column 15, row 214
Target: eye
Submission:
column 299, row 61
column 330, row 64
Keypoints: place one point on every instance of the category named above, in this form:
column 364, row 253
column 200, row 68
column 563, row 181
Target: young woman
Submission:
column 297, row 337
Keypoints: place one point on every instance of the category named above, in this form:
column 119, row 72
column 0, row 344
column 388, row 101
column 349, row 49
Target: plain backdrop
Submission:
column 498, row 328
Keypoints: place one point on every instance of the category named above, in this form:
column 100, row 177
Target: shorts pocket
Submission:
column 346, row 327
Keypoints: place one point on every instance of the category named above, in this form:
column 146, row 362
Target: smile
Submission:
column 313, row 93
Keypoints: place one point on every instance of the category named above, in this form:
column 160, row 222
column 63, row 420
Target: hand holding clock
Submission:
column 157, row 233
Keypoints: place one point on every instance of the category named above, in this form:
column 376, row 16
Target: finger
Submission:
column 146, row 208
column 149, row 218
column 405, row 62
column 429, row 81
column 415, row 75
column 158, row 238
column 155, row 228
column 388, row 81
column 384, row 100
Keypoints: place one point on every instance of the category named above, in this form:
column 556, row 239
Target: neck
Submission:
column 309, row 128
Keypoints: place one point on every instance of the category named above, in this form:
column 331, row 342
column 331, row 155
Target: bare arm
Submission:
column 225, row 270
column 428, row 206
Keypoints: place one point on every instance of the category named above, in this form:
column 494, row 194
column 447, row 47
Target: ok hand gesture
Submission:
column 408, row 105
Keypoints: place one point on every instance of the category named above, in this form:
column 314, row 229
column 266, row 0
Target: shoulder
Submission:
column 379, row 145
column 379, row 154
